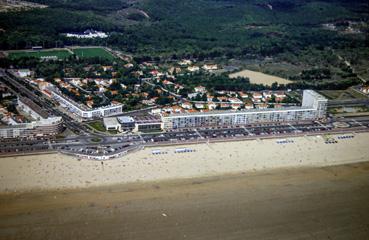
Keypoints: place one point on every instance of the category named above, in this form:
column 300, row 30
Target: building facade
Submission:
column 112, row 124
column 313, row 107
column 44, row 127
column 42, row 123
column 82, row 111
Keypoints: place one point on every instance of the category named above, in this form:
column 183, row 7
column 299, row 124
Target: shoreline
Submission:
column 141, row 186
column 321, row 202
column 60, row 172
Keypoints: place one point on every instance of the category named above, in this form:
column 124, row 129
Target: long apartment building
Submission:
column 84, row 112
column 42, row 124
column 314, row 107
column 44, row 127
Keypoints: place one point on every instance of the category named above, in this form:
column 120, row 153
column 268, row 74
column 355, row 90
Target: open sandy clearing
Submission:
column 260, row 78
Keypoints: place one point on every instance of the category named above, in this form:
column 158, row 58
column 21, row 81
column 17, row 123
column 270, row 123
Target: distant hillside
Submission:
column 208, row 27
column 17, row 5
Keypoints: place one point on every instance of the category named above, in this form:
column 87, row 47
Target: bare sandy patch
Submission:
column 260, row 78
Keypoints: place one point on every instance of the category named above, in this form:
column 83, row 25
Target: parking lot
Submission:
column 112, row 145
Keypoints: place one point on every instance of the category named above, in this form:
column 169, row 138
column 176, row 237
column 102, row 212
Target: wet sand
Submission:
column 259, row 77
column 305, row 203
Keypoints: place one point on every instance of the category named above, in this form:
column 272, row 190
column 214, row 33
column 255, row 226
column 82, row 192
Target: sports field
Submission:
column 84, row 52
column 60, row 54
column 93, row 52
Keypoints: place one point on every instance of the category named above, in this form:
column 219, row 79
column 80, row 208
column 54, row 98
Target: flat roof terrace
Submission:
column 36, row 108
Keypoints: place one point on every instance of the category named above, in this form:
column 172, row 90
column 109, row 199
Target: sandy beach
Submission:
column 259, row 78
column 57, row 171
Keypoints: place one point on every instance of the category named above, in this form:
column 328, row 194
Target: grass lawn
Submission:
column 60, row 54
column 93, row 52
column 98, row 125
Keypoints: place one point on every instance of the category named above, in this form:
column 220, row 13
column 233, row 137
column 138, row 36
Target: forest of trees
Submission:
column 204, row 28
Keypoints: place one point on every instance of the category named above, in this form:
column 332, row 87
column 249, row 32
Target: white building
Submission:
column 32, row 109
column 314, row 107
column 24, row 73
column 82, row 111
column 44, row 127
column 112, row 124
column 193, row 68
column 210, row 67
column 88, row 34
column 200, row 89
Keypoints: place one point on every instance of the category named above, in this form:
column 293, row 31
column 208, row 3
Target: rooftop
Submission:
column 36, row 108
column 220, row 112
column 125, row 119
column 110, row 121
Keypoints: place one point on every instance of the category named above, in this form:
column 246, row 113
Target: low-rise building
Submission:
column 200, row 89
column 186, row 105
column 212, row 105
column 193, row 68
column 365, row 89
column 210, row 67
column 112, row 124
column 199, row 105
column 24, row 73
column 127, row 123
column 147, row 124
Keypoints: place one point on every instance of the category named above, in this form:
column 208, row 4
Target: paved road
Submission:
column 327, row 203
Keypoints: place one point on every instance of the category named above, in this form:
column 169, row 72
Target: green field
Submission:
column 60, row 54
column 93, row 52
column 97, row 125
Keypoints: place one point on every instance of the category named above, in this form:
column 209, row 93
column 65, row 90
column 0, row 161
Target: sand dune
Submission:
column 56, row 171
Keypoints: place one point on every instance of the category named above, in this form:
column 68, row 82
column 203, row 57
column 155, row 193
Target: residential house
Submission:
column 212, row 105
column 24, row 73
column 236, row 106
column 210, row 67
column 186, row 105
column 243, row 95
column 365, row 89
column 199, row 105
column 235, row 101
column 200, row 89
column 262, row 106
column 257, row 97
column 249, row 105
column 185, row 62
column 193, row 68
